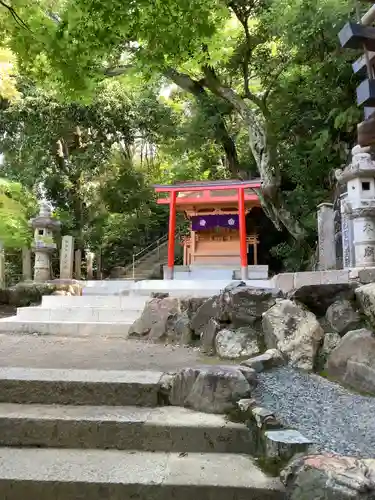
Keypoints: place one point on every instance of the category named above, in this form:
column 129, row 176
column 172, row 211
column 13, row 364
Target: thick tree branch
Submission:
column 15, row 16
column 263, row 149
column 274, row 78
column 120, row 70
column 223, row 138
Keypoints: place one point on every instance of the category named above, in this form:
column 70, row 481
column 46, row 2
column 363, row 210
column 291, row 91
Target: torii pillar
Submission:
column 242, row 225
column 171, row 235
column 242, row 231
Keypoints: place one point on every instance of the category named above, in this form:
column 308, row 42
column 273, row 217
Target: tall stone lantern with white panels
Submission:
column 44, row 227
column 359, row 206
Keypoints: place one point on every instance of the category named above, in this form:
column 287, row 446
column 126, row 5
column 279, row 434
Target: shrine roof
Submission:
column 204, row 185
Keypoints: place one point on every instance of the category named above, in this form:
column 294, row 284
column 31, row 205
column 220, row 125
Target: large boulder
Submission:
column 329, row 477
column 239, row 343
column 214, row 389
column 157, row 317
column 352, row 362
column 318, row 298
column 238, row 305
column 208, row 337
column 331, row 341
column 166, row 318
column 343, row 317
column 191, row 304
column 294, row 331
column 179, row 331
column 366, row 297
column 243, row 305
column 210, row 310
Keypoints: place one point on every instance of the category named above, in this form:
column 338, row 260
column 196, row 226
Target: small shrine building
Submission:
column 217, row 213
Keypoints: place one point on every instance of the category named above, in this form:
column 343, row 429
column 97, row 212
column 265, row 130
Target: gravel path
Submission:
column 335, row 419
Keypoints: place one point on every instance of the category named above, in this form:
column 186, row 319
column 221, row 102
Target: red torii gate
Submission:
column 240, row 197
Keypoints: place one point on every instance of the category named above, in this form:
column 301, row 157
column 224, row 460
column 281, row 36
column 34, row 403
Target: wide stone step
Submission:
column 47, row 474
column 87, row 314
column 60, row 328
column 79, row 387
column 130, row 303
column 168, row 429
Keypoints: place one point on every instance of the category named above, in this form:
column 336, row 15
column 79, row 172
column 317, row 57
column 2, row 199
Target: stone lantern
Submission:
column 44, row 227
column 358, row 206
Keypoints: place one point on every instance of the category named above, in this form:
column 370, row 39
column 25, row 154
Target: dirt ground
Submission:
column 94, row 353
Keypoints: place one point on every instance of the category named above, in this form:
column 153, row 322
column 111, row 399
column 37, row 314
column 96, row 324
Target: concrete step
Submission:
column 79, row 387
column 168, row 429
column 86, row 314
column 14, row 324
column 65, row 474
column 130, row 303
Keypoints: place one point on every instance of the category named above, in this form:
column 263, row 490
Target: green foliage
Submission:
column 16, row 207
column 280, row 57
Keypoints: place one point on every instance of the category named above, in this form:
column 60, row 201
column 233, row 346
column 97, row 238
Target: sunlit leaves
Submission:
column 16, row 206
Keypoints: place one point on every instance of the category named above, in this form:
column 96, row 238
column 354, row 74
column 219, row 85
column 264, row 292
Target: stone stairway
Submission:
column 91, row 435
column 107, row 308
column 78, row 316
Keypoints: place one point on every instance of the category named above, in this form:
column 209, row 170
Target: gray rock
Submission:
column 246, row 405
column 318, row 298
column 244, row 305
column 294, row 331
column 366, row 276
column 342, row 316
column 239, row 343
column 263, row 418
column 208, row 336
column 331, row 341
column 352, row 362
column 190, row 305
column 269, row 359
column 179, row 330
column 366, row 297
column 209, row 310
column 283, row 444
column 234, row 285
column 159, row 295
column 154, row 318
column 163, row 319
column 238, row 305
column 329, row 477
column 209, row 389
column 249, row 374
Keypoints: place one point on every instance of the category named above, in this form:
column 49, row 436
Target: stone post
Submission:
column 44, row 227
column 67, row 257
column 99, row 264
column 26, row 264
column 347, row 235
column 2, row 267
column 326, row 236
column 89, row 264
column 77, row 264
column 359, row 206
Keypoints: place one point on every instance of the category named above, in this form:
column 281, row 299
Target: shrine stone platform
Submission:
column 108, row 308
column 216, row 272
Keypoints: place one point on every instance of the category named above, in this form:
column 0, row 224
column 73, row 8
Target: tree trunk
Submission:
column 263, row 150
column 221, row 133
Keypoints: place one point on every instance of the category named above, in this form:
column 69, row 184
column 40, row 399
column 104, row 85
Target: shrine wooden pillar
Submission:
column 242, row 226
column 171, row 234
